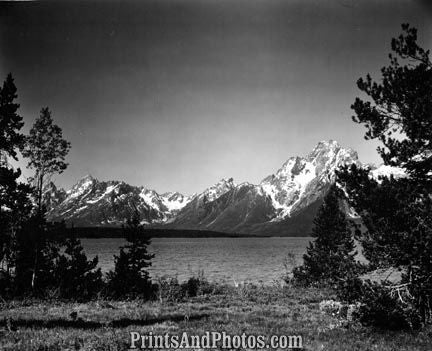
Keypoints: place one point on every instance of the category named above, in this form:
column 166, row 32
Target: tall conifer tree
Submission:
column 331, row 255
column 15, row 204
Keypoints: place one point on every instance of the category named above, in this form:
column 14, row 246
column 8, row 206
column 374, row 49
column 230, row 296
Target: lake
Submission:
column 257, row 260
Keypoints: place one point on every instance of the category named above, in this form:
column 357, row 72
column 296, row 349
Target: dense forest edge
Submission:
column 118, row 232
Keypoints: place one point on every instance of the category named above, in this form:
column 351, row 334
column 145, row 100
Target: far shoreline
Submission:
column 117, row 232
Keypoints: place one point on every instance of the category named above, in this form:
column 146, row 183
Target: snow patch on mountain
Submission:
column 174, row 201
column 107, row 192
column 81, row 187
column 301, row 180
column 217, row 190
column 387, row 171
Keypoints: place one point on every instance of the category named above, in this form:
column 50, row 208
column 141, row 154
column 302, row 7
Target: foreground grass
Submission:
column 105, row 325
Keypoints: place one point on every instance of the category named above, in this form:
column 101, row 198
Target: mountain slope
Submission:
column 93, row 203
column 303, row 180
column 283, row 203
column 240, row 206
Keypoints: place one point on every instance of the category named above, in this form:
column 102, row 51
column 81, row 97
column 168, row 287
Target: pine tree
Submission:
column 331, row 255
column 399, row 109
column 77, row 276
column 130, row 277
column 15, row 207
column 15, row 204
column 397, row 213
column 10, row 122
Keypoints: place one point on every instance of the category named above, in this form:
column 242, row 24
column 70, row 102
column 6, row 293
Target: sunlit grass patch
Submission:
column 106, row 325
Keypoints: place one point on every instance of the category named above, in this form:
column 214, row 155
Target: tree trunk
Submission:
column 39, row 231
column 33, row 280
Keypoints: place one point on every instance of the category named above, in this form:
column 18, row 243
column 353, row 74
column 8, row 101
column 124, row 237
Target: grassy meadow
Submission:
column 259, row 310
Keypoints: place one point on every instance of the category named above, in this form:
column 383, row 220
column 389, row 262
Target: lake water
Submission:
column 257, row 260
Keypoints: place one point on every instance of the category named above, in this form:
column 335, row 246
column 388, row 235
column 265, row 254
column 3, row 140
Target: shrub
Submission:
column 191, row 287
column 169, row 289
column 197, row 285
column 384, row 311
column 378, row 306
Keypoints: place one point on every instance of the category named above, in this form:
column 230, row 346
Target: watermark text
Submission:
column 213, row 340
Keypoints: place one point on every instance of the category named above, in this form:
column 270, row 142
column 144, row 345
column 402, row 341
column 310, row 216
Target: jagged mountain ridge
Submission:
column 283, row 203
column 303, row 180
column 91, row 202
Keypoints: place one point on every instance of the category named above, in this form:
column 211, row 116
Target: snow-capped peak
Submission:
column 220, row 188
column 331, row 150
column 300, row 180
column 81, row 186
column 94, row 202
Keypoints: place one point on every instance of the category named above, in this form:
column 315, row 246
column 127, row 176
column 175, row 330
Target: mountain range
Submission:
column 283, row 203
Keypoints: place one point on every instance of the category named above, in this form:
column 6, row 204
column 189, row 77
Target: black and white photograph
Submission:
column 216, row 174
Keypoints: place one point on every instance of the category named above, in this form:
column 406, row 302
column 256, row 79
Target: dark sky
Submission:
column 176, row 94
